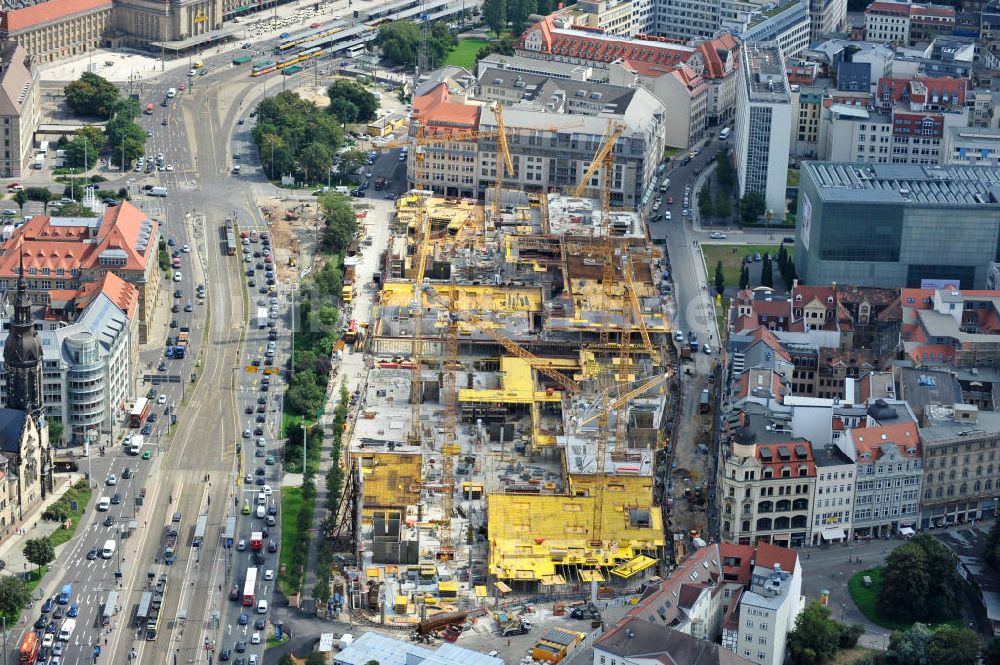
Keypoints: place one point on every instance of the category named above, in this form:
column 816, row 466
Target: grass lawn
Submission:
column 273, row 642
column 82, row 496
column 464, row 55
column 866, row 599
column 291, row 504
column 732, row 258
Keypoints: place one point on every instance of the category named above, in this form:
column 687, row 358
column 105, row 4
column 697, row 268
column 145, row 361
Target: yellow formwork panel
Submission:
column 391, row 480
column 470, row 298
column 517, row 384
column 531, row 535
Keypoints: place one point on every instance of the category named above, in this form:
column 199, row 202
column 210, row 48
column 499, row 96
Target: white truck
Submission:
column 108, row 550
column 134, row 446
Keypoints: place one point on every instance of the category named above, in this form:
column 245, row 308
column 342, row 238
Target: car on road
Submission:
column 40, row 622
column 668, row 215
column 92, row 554
column 126, row 473
column 707, row 349
column 244, row 618
column 260, row 623
column 73, row 610
column 269, row 460
column 260, row 443
column 162, row 399
column 272, row 546
column 47, row 605
column 241, row 546
column 58, row 614
column 146, row 454
column 271, row 520
column 112, row 480
column 246, row 504
column 246, row 434
column 109, row 521
column 248, row 410
column 255, row 638
column 224, row 655
column 789, row 239
column 116, row 499
column 147, row 428
column 715, row 235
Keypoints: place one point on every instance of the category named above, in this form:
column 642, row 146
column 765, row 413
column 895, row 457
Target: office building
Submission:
column 57, row 29
column 826, row 17
column 971, row 146
column 906, row 23
column 19, row 108
column 960, row 464
column 90, row 346
column 893, row 224
column 683, row 92
column 763, row 126
column 785, row 25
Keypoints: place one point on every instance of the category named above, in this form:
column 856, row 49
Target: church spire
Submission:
column 22, row 354
column 22, row 306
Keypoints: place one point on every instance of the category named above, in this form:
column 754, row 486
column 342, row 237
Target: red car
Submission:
column 314, row 25
column 670, row 200
column 181, row 87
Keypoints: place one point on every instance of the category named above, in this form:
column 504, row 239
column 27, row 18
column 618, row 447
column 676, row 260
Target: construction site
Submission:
column 516, row 409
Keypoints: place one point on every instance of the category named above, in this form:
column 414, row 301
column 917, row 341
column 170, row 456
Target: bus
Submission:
column 249, row 587
column 139, row 412
column 356, row 50
column 142, row 611
column 230, row 243
column 294, row 69
column 199, row 531
column 242, row 60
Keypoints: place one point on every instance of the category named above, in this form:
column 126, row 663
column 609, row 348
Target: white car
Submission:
column 268, row 575
column 255, row 638
column 112, row 480
column 266, row 489
column 667, row 216
column 241, row 545
column 715, row 235
column 186, row 249
column 178, row 276
column 162, row 399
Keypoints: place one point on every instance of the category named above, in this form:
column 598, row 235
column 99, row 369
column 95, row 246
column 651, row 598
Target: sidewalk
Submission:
column 33, row 526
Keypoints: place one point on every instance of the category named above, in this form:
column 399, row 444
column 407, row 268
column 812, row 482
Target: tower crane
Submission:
column 502, row 150
column 417, row 313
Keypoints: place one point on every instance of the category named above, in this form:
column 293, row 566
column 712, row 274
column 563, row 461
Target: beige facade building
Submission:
column 19, row 108
column 139, row 22
column 58, row 29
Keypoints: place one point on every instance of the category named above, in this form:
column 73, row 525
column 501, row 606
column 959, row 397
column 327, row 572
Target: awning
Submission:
column 906, row 531
column 630, row 568
column 833, row 533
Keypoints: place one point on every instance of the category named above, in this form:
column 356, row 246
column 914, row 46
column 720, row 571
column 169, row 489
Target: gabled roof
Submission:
column 636, row 639
column 433, row 111
column 15, row 80
column 871, row 439
column 717, row 54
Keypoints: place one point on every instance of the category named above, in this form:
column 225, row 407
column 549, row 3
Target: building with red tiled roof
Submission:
column 682, row 90
column 891, row 454
column 66, row 253
column 57, row 29
column 951, row 328
column 90, row 344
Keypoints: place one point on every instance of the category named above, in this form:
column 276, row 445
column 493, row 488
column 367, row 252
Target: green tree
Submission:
column 343, row 109
column 910, row 647
column 752, row 207
column 92, row 95
column 359, row 96
column 14, row 596
column 341, row 222
column 495, row 15
column 767, row 273
column 816, row 636
column 321, row 591
column 502, row 46
column 351, row 161
column 720, row 279
column 724, row 170
column 122, row 130
column 286, row 659
column 39, row 194
column 723, row 208
column 992, row 553
column 39, row 551
column 744, row 277
column 315, row 161
column 920, row 583
column 55, row 432
column 954, row 646
column 304, row 396
column 84, row 149
column 75, row 210
column 518, row 12
column 705, row 201
column 399, row 41
column 21, row 197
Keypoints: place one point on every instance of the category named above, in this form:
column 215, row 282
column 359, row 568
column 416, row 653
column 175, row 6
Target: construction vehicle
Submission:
column 584, row 611
column 347, row 288
column 515, row 626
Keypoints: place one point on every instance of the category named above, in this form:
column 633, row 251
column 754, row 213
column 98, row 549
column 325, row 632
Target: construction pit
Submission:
column 508, row 441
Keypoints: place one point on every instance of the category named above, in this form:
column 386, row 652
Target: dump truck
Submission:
column 180, row 349
column 438, row 621
column 350, row 267
column 515, row 626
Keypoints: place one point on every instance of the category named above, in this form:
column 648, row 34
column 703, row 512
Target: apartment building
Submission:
column 888, row 22
column 621, row 18
column 763, row 126
column 63, row 254
column 57, row 29
column 950, row 327
column 960, row 464
column 442, row 166
column 826, row 17
column 889, row 461
column 20, row 108
column 833, row 506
